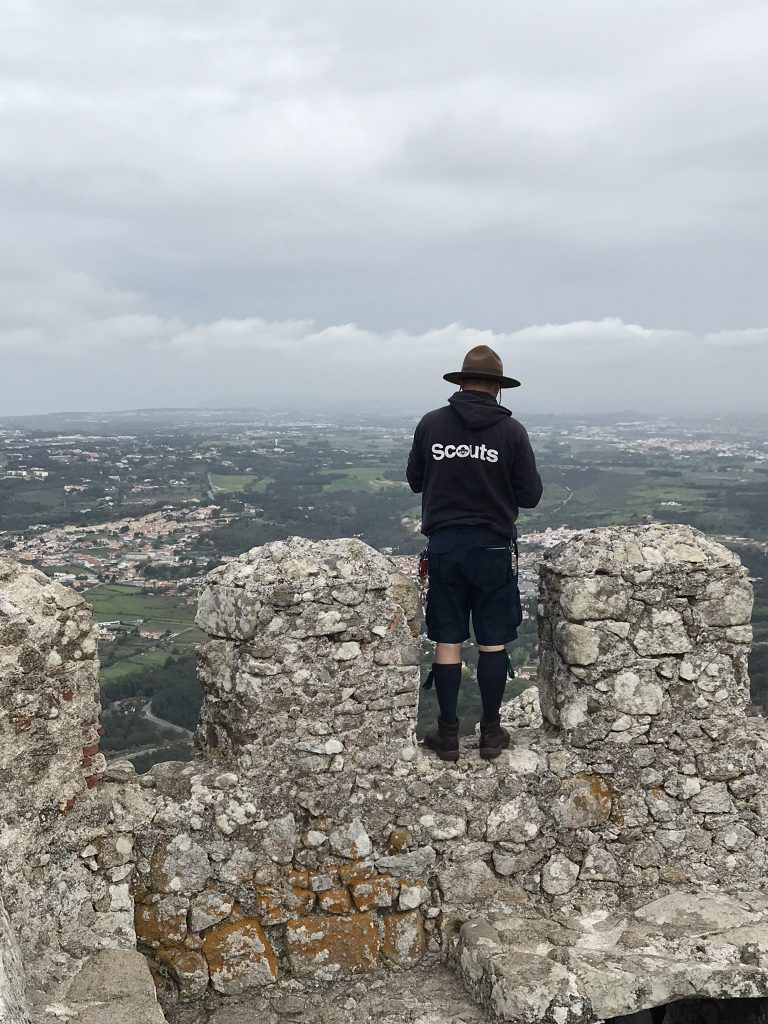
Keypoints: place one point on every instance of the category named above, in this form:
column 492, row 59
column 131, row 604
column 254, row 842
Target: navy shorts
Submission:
column 476, row 581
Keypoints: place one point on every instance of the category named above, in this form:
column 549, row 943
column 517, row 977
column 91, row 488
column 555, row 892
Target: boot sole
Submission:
column 444, row 755
column 491, row 753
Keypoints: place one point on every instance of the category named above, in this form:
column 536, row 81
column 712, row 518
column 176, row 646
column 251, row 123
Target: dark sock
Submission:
column 447, row 682
column 492, row 680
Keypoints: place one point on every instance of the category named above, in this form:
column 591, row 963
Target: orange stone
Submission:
column 335, row 901
column 299, row 878
column 239, row 956
column 404, row 939
column 323, row 948
column 374, row 894
column 188, row 969
column 300, row 901
column 160, row 924
column 352, row 873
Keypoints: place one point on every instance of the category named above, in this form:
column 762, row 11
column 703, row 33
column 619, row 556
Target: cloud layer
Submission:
column 54, row 328
column 203, row 189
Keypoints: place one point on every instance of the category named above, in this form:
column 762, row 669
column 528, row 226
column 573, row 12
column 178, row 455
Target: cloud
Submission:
column 396, row 163
column 58, row 323
column 215, row 196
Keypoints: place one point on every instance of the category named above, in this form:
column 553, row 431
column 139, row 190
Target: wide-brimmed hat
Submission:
column 482, row 361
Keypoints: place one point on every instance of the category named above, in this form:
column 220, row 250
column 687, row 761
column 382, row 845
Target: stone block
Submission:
column 583, row 801
column 404, row 939
column 374, row 894
column 351, row 841
column 280, row 839
column 578, row 645
column 559, row 875
column 713, row 799
column 335, row 947
column 413, row 896
column 664, row 634
column 188, row 968
column 113, row 985
column 516, row 821
column 211, row 907
column 239, row 956
column 179, row 866
column 228, row 611
column 162, row 923
column 598, row 597
column 726, row 602
column 635, row 695
column 335, row 901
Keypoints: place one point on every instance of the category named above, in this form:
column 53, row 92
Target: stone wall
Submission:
column 612, row 859
column 13, row 1004
column 64, row 839
column 644, row 636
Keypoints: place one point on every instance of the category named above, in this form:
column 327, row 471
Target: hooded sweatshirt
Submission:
column 474, row 466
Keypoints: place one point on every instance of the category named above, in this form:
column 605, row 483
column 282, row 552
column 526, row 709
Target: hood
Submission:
column 477, row 410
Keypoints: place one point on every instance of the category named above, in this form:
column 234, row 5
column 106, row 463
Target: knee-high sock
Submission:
column 492, row 679
column 447, row 682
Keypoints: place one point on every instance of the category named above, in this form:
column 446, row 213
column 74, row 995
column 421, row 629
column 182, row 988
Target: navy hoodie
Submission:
column 473, row 464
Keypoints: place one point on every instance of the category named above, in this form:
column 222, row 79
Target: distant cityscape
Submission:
column 134, row 509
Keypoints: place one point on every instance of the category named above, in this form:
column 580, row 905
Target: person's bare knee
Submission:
column 447, row 654
column 499, row 647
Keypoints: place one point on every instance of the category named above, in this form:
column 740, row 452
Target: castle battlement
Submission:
column 612, row 860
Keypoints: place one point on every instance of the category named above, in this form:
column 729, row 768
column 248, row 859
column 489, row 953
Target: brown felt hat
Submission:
column 482, row 361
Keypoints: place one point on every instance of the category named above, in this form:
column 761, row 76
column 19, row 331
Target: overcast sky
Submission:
column 232, row 203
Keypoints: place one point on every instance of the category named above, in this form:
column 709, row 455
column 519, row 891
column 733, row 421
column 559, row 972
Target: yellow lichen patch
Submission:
column 375, row 894
column 583, row 801
column 332, row 947
column 239, row 956
column 404, row 939
column 298, row 877
column 350, row 874
column 335, row 901
column 163, row 923
column 300, row 901
column 188, row 969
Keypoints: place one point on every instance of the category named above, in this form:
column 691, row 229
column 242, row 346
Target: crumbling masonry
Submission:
column 612, row 860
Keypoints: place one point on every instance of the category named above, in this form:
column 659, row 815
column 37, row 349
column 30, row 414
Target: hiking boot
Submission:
column 444, row 740
column 493, row 739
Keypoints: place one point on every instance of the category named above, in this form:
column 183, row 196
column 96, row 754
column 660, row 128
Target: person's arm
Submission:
column 414, row 472
column 525, row 477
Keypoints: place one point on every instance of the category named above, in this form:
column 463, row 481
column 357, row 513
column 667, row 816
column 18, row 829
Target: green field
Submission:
column 588, row 496
column 159, row 612
column 241, row 483
column 360, row 478
column 134, row 662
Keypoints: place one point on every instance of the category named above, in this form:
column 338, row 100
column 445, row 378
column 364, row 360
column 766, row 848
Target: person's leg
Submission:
column 495, row 622
column 448, row 625
column 446, row 673
column 492, row 679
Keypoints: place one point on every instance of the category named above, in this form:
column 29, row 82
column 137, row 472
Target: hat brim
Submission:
column 503, row 382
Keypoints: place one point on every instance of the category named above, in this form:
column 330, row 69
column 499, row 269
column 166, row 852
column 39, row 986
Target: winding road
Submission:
column 147, row 713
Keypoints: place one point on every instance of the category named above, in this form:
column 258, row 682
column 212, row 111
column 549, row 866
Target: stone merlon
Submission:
column 612, row 860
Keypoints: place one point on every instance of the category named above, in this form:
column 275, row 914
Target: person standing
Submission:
column 474, row 466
